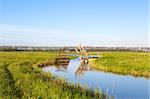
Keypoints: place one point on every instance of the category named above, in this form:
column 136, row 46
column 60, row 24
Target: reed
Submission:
column 20, row 77
column 123, row 62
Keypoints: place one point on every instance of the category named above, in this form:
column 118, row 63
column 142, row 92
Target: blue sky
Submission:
column 72, row 22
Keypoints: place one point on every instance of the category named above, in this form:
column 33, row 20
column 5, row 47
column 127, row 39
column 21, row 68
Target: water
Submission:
column 121, row 87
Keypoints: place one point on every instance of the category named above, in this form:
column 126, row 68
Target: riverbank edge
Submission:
column 62, row 82
column 50, row 62
column 133, row 73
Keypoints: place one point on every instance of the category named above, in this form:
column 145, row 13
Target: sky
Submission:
column 72, row 22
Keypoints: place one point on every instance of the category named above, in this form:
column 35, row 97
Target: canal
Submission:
column 120, row 86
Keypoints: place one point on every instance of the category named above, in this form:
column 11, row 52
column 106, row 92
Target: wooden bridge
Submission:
column 63, row 55
column 62, row 60
column 83, row 54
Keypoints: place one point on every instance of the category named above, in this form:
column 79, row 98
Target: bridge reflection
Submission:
column 62, row 66
column 83, row 67
column 80, row 71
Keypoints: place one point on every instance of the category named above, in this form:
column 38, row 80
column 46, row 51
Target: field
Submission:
column 20, row 78
column 127, row 63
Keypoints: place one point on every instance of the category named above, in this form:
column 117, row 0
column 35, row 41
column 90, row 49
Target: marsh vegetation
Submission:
column 21, row 78
column 124, row 62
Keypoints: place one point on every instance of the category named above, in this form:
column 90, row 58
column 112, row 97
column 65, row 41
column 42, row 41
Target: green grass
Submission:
column 72, row 57
column 21, row 78
column 132, row 63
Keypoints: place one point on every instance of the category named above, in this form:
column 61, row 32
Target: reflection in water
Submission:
column 62, row 65
column 83, row 67
column 61, row 68
column 120, row 86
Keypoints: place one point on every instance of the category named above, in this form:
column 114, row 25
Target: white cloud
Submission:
column 51, row 37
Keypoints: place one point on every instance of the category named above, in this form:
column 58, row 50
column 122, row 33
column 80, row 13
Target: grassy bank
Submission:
column 19, row 78
column 132, row 63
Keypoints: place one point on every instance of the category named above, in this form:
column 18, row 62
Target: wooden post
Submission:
column 81, row 52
